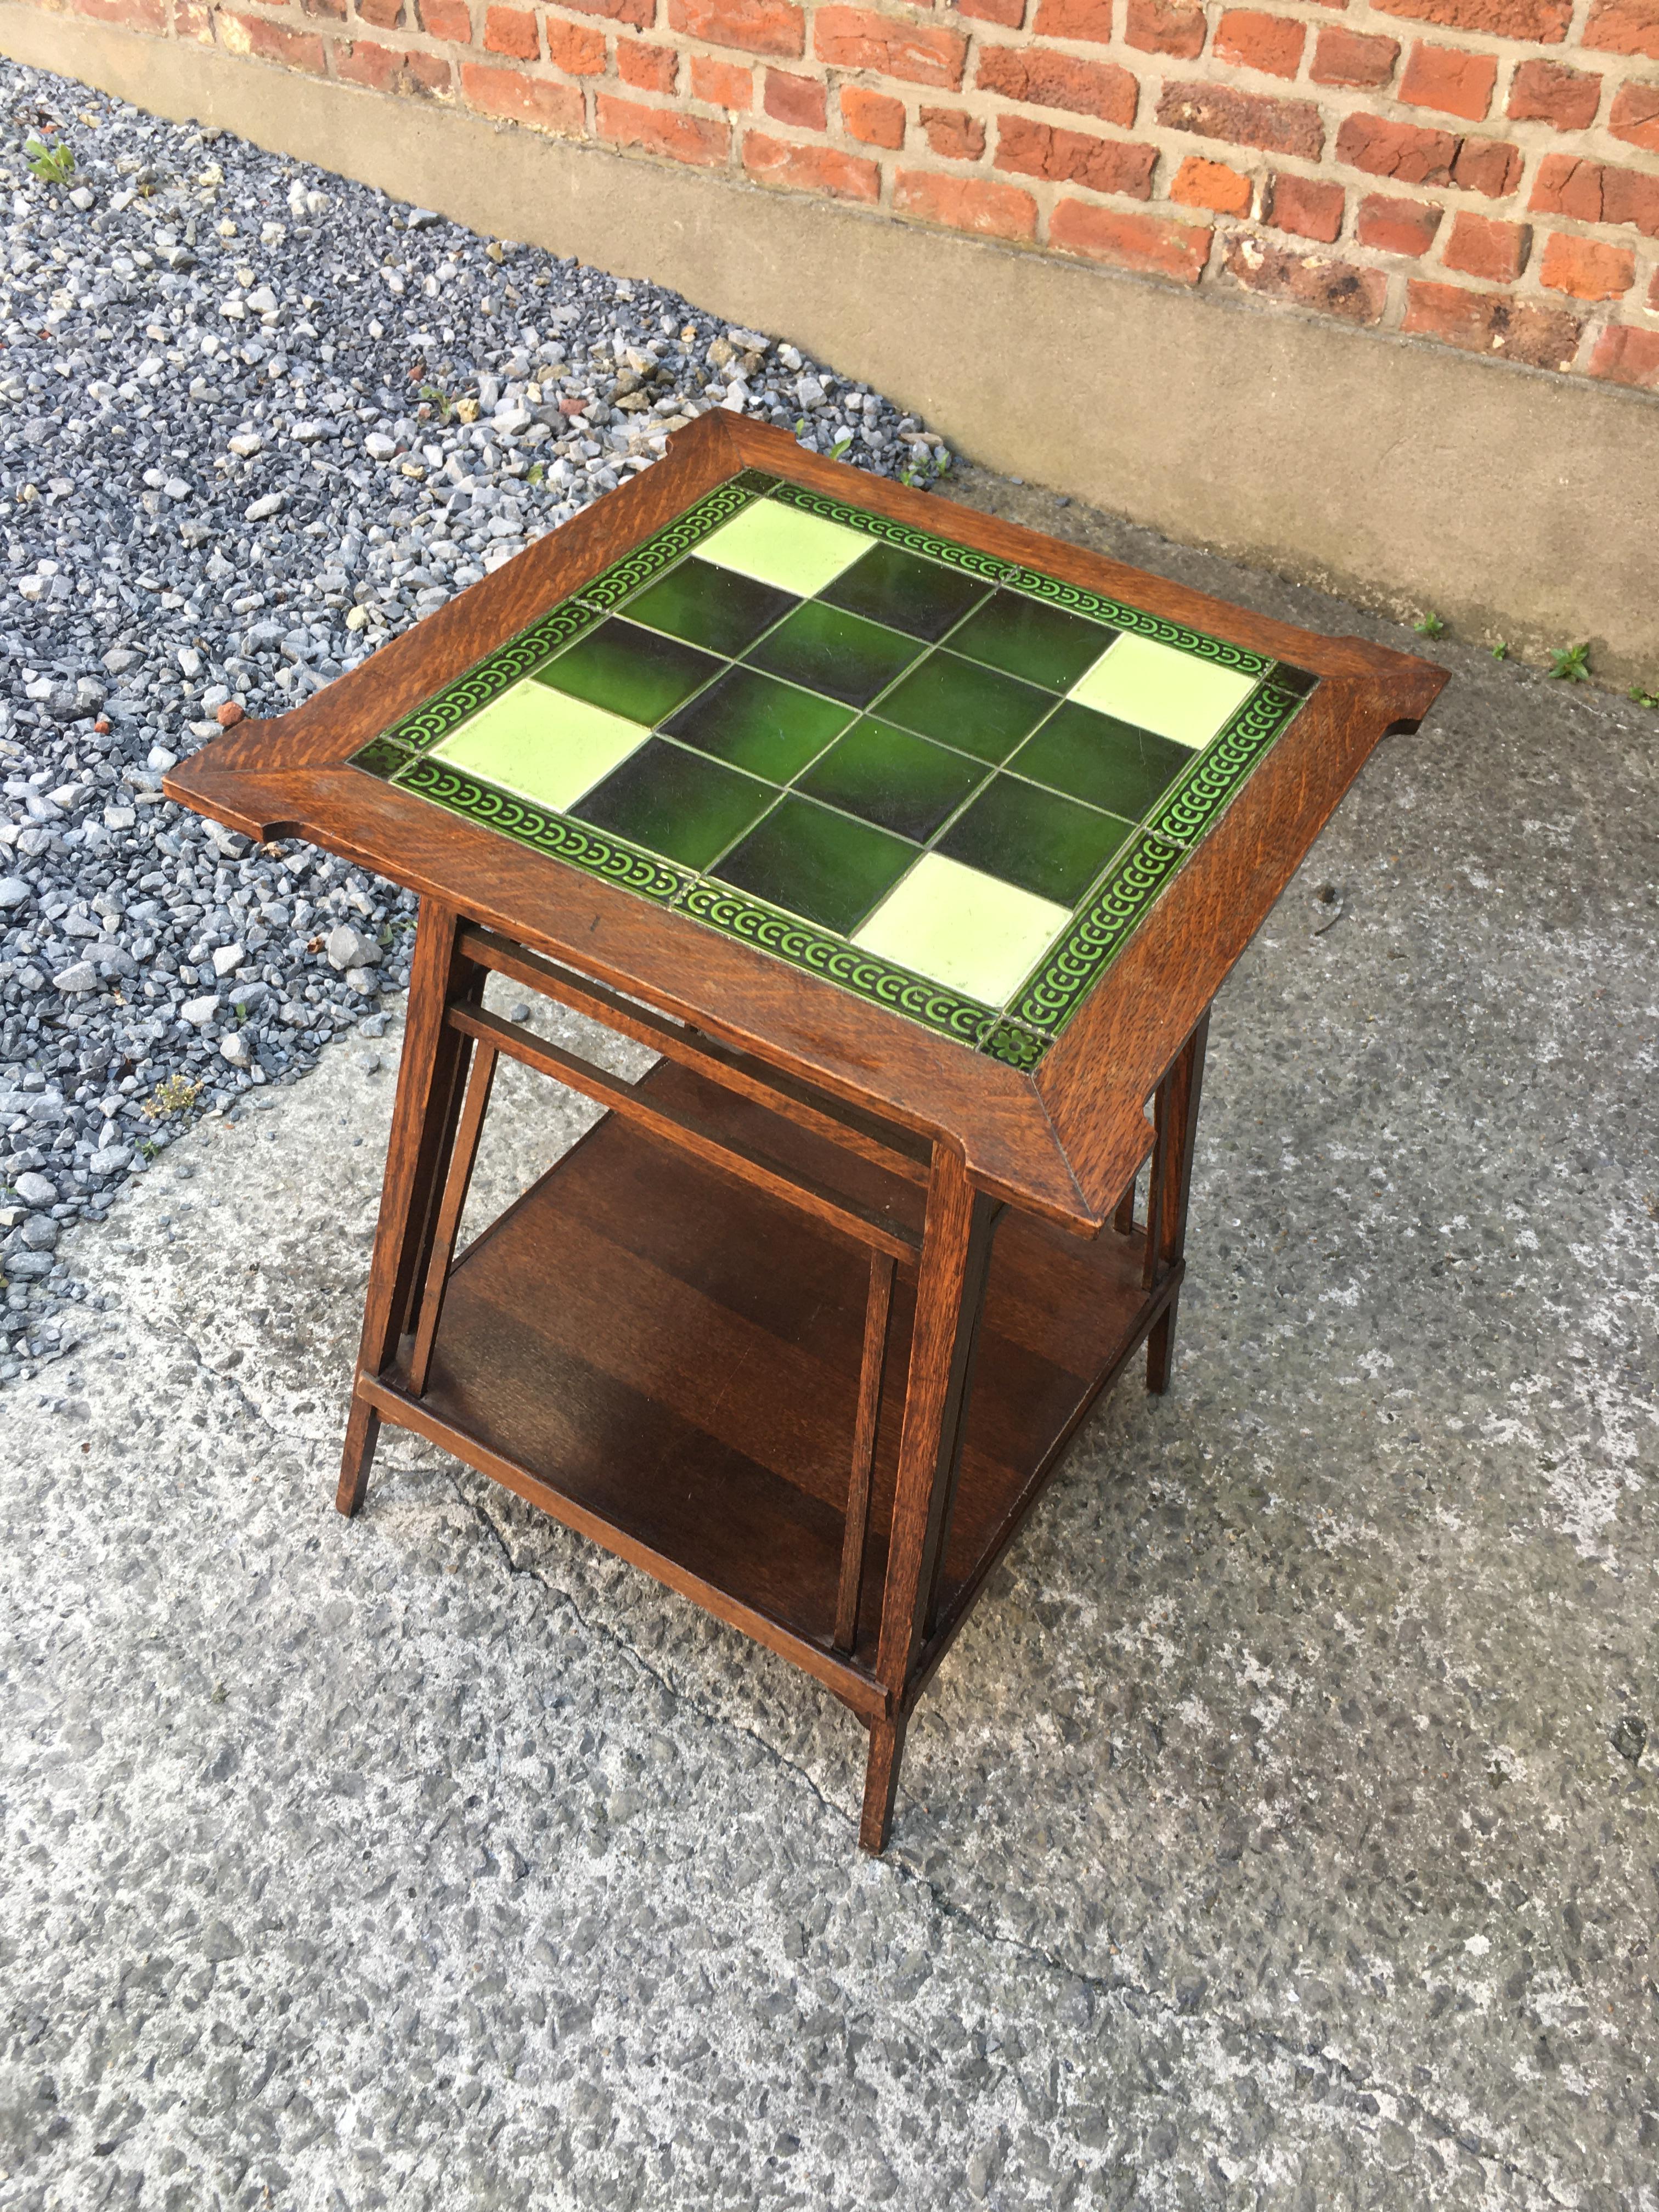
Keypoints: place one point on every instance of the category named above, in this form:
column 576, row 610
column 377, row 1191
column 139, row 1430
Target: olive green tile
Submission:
column 906, row 593
column 1097, row 758
column 778, row 544
column 885, row 775
column 965, row 929
column 813, row 862
column 716, row 608
column 1027, row 638
column 964, row 705
column 1175, row 694
column 1045, row 844
column 755, row 722
column 837, row 654
column 676, row 803
column 629, row 670
column 540, row 743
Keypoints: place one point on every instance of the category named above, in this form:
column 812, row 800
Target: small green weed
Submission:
column 1500, row 651
column 536, row 473
column 921, row 474
column 1569, row 663
column 1430, row 626
column 177, row 1094
column 840, row 446
column 48, row 165
column 1643, row 698
column 440, row 397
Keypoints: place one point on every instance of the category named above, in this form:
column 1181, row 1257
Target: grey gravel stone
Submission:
column 36, row 1189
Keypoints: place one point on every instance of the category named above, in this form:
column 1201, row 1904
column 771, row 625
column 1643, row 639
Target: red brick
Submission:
column 1550, row 92
column 724, row 83
column 1404, row 151
column 802, row 101
column 1487, row 322
column 1011, row 14
column 1479, row 247
column 1623, row 27
column 1211, row 184
column 1446, row 77
column 639, row 13
column 1636, row 115
column 542, row 102
column 860, row 38
column 873, row 118
column 1624, row 356
column 1073, row 19
column 1075, row 157
column 652, row 69
column 758, row 27
column 820, row 169
column 271, row 42
column 1162, row 27
column 1310, row 210
column 1218, row 111
column 1344, row 56
column 700, row 140
column 966, row 204
column 1396, row 225
column 1149, row 244
column 1589, row 191
column 390, row 69
column 575, row 48
column 193, row 19
column 1585, row 268
column 953, row 134
column 1042, row 78
column 382, row 13
column 512, row 31
column 1540, row 22
column 1653, row 295
column 1489, row 165
column 1308, row 279
column 447, row 19
column 1272, row 43
column 334, row 9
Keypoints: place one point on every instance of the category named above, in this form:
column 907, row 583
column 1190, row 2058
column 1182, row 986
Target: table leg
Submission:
column 881, row 1781
column 1176, row 1117
column 423, row 1119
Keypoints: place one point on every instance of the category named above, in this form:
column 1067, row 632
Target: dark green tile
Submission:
column 830, row 651
column 1025, row 638
column 637, row 673
column 966, row 705
column 887, row 776
column 756, row 723
column 1097, row 758
column 813, row 862
column 710, row 606
column 892, row 587
column 1048, row 845
column 675, row 803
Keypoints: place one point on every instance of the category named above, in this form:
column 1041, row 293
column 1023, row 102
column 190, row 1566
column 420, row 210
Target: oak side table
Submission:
column 916, row 846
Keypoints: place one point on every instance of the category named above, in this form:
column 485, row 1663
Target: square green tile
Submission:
column 829, row 651
column 755, row 722
column 1024, row 637
column 628, row 671
column 676, row 803
column 1097, row 758
column 906, row 593
column 885, row 775
column 541, row 744
column 778, row 544
column 968, row 931
column 1045, row 844
column 1175, row 695
column 716, row 608
column 813, row 862
column 966, row 705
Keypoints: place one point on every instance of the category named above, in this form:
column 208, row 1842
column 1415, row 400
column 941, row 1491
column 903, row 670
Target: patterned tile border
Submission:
column 1017, row 1035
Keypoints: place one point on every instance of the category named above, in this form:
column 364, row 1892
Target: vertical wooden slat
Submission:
column 877, row 1312
column 468, row 1129
column 1179, row 1097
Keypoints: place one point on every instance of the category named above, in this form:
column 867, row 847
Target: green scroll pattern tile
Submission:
column 583, row 847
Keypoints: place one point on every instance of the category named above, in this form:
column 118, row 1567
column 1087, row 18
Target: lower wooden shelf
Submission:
column 667, row 1361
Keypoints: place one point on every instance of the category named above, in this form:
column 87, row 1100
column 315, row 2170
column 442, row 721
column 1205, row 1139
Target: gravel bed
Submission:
column 255, row 420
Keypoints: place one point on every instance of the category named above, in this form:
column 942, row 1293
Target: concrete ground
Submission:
column 1281, row 1833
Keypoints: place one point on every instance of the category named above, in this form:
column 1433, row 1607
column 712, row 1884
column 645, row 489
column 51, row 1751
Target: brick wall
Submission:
column 1484, row 174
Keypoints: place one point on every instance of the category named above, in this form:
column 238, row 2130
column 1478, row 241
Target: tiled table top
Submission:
column 947, row 783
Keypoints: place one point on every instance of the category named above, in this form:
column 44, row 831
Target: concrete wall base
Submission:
column 1514, row 503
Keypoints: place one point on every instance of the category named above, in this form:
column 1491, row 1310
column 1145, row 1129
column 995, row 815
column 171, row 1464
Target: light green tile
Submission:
column 962, row 928
column 1158, row 689
column 779, row 546
column 542, row 744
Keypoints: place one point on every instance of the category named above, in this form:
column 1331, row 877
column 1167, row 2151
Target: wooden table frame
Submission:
column 942, row 1197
